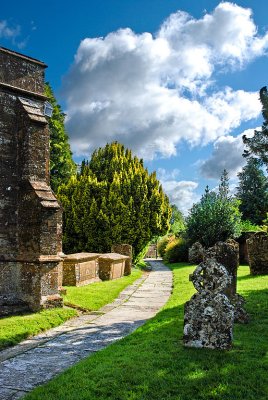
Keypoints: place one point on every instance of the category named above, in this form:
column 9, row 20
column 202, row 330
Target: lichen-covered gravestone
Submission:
column 196, row 253
column 258, row 253
column 227, row 254
column 209, row 315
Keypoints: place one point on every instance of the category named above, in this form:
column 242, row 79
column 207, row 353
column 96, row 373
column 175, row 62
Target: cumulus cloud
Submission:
column 226, row 154
column 151, row 92
column 181, row 193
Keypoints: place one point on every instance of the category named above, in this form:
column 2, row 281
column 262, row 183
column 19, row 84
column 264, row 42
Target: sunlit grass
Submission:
column 96, row 295
column 16, row 328
column 152, row 363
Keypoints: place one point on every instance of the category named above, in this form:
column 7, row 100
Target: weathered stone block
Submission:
column 112, row 266
column 125, row 250
column 80, row 269
column 258, row 253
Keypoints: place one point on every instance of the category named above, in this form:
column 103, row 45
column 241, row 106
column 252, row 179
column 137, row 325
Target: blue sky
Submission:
column 176, row 81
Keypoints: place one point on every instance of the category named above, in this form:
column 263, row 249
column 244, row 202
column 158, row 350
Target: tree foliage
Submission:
column 258, row 144
column 113, row 200
column 177, row 222
column 253, row 192
column 215, row 218
column 62, row 165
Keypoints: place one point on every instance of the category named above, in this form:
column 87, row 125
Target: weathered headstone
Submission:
column 243, row 248
column 227, row 254
column 125, row 250
column 258, row 253
column 30, row 216
column 209, row 315
column 196, row 253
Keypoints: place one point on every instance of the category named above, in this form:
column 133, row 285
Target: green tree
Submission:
column 113, row 200
column 215, row 218
column 62, row 165
column 177, row 222
column 253, row 192
column 258, row 144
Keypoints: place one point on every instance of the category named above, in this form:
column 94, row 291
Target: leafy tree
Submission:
column 177, row 223
column 62, row 165
column 216, row 217
column 253, row 192
column 113, row 200
column 258, row 144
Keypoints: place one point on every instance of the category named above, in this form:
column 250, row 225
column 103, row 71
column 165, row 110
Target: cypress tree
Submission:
column 114, row 200
column 62, row 165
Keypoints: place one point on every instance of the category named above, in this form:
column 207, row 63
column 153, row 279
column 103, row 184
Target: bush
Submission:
column 248, row 226
column 176, row 251
column 215, row 218
column 161, row 245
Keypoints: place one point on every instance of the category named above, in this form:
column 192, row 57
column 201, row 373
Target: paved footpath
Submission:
column 37, row 360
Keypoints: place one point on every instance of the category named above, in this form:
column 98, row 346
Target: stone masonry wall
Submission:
column 30, row 216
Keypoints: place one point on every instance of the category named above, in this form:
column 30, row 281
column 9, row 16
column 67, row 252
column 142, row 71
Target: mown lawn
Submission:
column 96, row 295
column 14, row 329
column 152, row 363
column 17, row 328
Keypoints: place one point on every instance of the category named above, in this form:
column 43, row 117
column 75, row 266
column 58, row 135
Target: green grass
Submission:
column 17, row 328
column 96, row 295
column 152, row 363
column 14, row 329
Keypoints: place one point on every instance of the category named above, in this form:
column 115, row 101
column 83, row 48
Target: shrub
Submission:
column 161, row 245
column 215, row 218
column 176, row 251
column 248, row 226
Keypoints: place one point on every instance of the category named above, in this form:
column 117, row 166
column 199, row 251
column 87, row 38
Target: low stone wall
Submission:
column 258, row 253
column 111, row 266
column 80, row 269
column 125, row 250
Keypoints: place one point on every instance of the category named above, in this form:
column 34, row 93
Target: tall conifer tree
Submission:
column 62, row 165
column 120, row 203
column 253, row 192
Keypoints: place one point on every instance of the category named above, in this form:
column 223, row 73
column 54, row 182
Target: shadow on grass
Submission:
column 153, row 364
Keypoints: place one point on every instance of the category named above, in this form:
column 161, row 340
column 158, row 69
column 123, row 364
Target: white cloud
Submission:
column 181, row 193
column 151, row 92
column 227, row 154
column 8, row 32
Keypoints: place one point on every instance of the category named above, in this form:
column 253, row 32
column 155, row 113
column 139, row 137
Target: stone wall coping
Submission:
column 19, row 91
column 23, row 56
column 113, row 257
column 80, row 257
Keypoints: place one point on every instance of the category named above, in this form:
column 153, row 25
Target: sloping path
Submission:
column 37, row 360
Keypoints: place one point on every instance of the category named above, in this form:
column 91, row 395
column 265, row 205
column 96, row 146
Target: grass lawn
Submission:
column 152, row 363
column 96, row 295
column 14, row 329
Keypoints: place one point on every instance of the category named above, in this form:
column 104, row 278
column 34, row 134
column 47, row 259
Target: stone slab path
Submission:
column 37, row 360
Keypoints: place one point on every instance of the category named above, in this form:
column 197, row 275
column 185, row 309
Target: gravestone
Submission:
column 30, row 216
column 125, row 250
column 227, row 254
column 111, row 266
column 80, row 269
column 258, row 253
column 209, row 315
column 196, row 253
